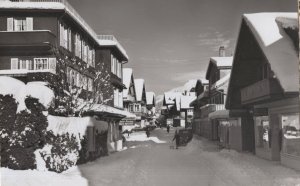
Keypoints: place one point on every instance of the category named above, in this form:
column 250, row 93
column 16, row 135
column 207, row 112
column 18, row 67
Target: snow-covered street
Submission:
column 199, row 163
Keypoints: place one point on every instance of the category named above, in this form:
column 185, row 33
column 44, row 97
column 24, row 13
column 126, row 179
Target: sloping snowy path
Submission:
column 199, row 163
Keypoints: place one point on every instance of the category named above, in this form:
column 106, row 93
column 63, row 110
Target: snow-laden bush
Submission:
column 8, row 109
column 25, row 135
column 60, row 152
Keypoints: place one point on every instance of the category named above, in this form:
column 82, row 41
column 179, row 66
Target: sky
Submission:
column 170, row 41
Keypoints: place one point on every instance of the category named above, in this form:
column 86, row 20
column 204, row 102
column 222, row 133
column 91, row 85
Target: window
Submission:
column 121, row 99
column 19, row 24
column 65, row 36
column 14, row 63
column 90, row 84
column 40, row 63
column 137, row 108
column 291, row 134
column 131, row 108
column 85, row 83
column 69, row 39
column 262, row 132
column 78, row 44
column 112, row 64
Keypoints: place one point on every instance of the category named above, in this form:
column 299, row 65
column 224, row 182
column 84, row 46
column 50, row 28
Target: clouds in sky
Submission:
column 214, row 40
column 184, row 77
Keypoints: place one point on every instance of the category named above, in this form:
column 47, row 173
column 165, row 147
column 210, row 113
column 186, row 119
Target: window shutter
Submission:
column 29, row 23
column 60, row 34
column 10, row 24
column 69, row 40
column 52, row 64
column 14, row 63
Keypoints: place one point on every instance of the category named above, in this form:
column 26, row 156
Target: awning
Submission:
column 106, row 111
column 225, row 114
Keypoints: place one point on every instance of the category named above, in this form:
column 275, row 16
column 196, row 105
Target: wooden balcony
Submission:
column 209, row 108
column 36, row 38
column 260, row 91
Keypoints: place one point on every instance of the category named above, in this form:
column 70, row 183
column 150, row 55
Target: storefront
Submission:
column 277, row 133
column 231, row 127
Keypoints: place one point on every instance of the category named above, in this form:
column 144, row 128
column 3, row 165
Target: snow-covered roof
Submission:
column 107, row 109
column 150, row 98
column 220, row 62
column 64, row 5
column 222, row 83
column 170, row 97
column 186, row 87
column 277, row 46
column 20, row 90
column 127, row 74
column 185, row 101
column 110, row 40
column 139, row 87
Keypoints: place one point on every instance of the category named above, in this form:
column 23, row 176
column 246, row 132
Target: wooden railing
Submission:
column 260, row 90
column 209, row 108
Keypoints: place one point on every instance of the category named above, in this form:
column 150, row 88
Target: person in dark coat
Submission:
column 147, row 132
column 177, row 139
column 168, row 128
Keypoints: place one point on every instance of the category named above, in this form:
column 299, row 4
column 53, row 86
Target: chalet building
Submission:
column 129, row 98
column 186, row 109
column 150, row 105
column 170, row 111
column 49, row 41
column 139, row 107
column 211, row 96
column 264, row 84
column 201, row 91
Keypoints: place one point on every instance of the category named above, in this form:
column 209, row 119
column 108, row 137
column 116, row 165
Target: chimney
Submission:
column 222, row 51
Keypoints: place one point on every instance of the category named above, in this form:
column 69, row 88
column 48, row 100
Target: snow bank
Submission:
column 142, row 137
column 20, row 90
column 74, row 125
column 45, row 178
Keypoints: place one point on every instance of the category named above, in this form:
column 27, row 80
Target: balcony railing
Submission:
column 71, row 11
column 112, row 38
column 261, row 90
column 209, row 108
column 24, row 72
column 27, row 38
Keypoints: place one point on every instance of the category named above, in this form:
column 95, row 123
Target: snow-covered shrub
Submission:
column 83, row 152
column 60, row 151
column 27, row 134
column 8, row 109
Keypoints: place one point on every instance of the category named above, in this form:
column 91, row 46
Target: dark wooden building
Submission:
column 265, row 84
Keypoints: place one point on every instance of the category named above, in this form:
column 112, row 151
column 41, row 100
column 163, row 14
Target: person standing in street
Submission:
column 168, row 128
column 177, row 139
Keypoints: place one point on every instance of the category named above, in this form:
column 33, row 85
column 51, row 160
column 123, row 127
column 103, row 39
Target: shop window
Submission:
column 262, row 132
column 290, row 134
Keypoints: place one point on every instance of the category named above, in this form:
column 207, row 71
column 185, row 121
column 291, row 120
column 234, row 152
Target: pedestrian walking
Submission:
column 177, row 139
column 147, row 132
column 168, row 128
